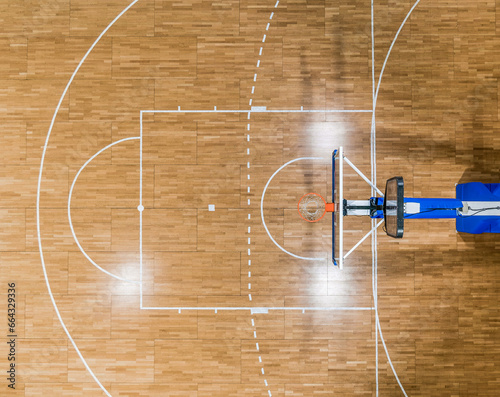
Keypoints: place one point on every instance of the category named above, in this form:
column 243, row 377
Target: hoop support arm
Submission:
column 363, row 176
column 363, row 239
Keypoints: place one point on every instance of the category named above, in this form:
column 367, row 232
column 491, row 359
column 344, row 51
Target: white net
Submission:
column 312, row 207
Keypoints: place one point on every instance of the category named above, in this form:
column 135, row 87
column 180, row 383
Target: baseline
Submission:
column 375, row 93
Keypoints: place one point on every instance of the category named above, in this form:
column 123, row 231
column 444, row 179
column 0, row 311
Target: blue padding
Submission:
column 478, row 224
column 474, row 191
column 428, row 208
column 477, row 191
column 494, row 188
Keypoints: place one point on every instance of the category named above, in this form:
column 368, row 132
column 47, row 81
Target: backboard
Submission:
column 394, row 207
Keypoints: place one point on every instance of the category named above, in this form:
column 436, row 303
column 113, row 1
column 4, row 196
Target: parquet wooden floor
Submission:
column 99, row 260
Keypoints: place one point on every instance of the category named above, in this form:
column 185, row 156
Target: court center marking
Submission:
column 40, row 248
column 262, row 209
column 69, row 210
column 374, row 180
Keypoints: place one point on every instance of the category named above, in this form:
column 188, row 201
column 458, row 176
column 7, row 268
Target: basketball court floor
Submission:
column 153, row 155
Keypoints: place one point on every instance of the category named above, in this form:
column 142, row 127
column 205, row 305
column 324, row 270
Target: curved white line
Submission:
column 389, row 52
column 374, row 180
column 262, row 209
column 69, row 209
column 387, row 353
column 373, row 143
column 40, row 248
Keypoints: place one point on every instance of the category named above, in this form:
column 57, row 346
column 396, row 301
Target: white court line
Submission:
column 264, row 309
column 374, row 180
column 40, row 248
column 256, row 109
column 372, row 154
column 262, row 209
column 387, row 353
column 389, row 53
column 141, row 209
column 69, row 210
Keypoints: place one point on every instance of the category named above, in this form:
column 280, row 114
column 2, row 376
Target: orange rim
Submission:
column 324, row 211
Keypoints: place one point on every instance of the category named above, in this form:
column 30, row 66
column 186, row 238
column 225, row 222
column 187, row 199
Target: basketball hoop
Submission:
column 312, row 207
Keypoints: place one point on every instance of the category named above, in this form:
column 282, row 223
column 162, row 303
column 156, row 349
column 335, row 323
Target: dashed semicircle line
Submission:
column 69, row 210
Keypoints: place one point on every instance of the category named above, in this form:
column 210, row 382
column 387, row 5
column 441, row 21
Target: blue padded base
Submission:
column 476, row 191
column 447, row 208
column 478, row 224
column 473, row 191
column 427, row 208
